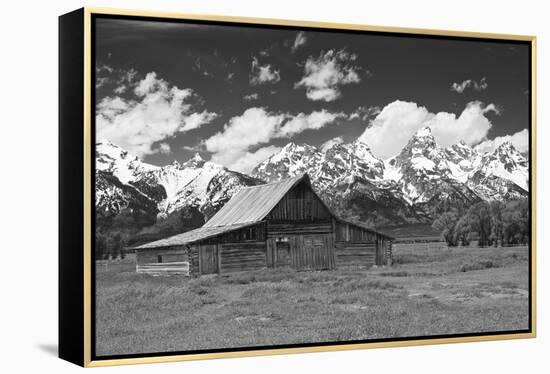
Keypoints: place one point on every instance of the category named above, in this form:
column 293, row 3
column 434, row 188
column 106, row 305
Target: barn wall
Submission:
column 163, row 261
column 361, row 244
column 247, row 234
column 286, row 229
column 193, row 251
column 358, row 253
column 348, row 232
column 312, row 252
column 300, row 204
column 242, row 256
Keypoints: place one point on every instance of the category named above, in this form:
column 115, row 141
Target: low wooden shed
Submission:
column 283, row 224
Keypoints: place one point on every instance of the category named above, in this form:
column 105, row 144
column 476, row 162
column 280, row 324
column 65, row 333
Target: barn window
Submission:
column 249, row 234
column 159, row 259
column 282, row 239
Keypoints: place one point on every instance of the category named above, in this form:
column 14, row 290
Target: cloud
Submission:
column 251, row 97
column 331, row 142
column 156, row 111
column 263, row 74
column 257, row 126
column 104, row 68
column 164, row 148
column 249, row 160
column 101, row 81
column 398, row 121
column 301, row 122
column 365, row 113
column 520, row 140
column 478, row 86
column 120, row 89
column 324, row 75
column 300, row 40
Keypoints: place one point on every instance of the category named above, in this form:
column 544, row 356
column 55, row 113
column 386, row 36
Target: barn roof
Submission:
column 252, row 204
column 192, row 236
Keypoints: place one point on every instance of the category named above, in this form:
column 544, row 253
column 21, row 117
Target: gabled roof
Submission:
column 253, row 204
column 192, row 236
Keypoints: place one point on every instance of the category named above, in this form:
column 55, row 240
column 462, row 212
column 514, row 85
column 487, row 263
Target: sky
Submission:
column 237, row 94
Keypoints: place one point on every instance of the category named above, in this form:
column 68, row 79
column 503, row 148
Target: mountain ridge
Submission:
column 415, row 185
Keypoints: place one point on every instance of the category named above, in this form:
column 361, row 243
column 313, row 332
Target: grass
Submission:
column 430, row 290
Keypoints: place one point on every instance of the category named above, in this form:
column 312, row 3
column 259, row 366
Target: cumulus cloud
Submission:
column 324, row 75
column 520, row 140
column 260, row 74
column 478, row 86
column 300, row 40
column 331, row 142
column 301, row 122
column 257, row 126
column 155, row 112
column 398, row 121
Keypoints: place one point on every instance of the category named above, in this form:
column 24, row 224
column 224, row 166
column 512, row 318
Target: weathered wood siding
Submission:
column 357, row 253
column 208, row 258
column 242, row 256
column 312, row 252
column 299, row 204
column 163, row 261
column 247, row 234
column 350, row 233
column 288, row 228
column 193, row 251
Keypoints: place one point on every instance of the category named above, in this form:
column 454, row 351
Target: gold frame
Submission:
column 88, row 362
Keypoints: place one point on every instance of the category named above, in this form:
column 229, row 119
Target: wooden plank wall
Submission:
column 355, row 253
column 175, row 260
column 208, row 258
column 242, row 256
column 287, row 229
column 271, row 252
column 312, row 252
column 346, row 232
column 193, row 251
column 299, row 204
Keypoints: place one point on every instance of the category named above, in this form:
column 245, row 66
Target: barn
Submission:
column 275, row 225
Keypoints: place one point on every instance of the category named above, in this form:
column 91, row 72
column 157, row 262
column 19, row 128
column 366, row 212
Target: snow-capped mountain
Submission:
column 413, row 186
column 421, row 180
column 501, row 175
column 123, row 180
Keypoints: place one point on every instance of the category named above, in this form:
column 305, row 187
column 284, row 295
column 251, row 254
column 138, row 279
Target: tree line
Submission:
column 491, row 223
column 110, row 245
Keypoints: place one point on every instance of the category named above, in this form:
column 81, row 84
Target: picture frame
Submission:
column 245, row 216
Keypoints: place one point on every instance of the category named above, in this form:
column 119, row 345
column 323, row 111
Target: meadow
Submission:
column 430, row 290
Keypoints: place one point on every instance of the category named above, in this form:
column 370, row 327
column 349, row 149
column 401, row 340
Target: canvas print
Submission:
column 264, row 186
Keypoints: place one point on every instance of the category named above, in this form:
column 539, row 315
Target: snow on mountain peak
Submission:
column 194, row 162
column 423, row 132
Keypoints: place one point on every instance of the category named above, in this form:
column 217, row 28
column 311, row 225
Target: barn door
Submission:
column 312, row 252
column 283, row 254
column 208, row 258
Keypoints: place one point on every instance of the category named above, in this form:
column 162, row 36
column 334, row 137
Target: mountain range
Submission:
column 414, row 186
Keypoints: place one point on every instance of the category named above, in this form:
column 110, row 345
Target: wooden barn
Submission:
column 283, row 224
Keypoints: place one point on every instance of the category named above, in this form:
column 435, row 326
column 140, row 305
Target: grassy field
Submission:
column 430, row 290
